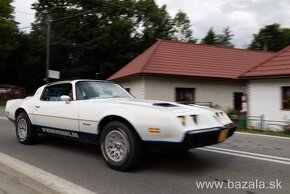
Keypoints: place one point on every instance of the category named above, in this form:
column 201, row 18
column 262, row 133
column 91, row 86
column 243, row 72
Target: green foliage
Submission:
column 271, row 38
column 8, row 32
column 101, row 36
column 181, row 28
column 223, row 39
column 216, row 106
column 232, row 112
column 210, row 38
column 87, row 37
column 24, row 68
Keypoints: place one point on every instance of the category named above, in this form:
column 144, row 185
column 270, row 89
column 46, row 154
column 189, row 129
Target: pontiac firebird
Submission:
column 104, row 113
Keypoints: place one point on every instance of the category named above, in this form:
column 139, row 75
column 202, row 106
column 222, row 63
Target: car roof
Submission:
column 74, row 81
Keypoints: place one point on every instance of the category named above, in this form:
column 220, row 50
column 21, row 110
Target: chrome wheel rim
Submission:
column 116, row 145
column 22, row 129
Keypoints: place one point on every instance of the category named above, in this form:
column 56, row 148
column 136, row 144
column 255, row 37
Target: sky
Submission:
column 244, row 17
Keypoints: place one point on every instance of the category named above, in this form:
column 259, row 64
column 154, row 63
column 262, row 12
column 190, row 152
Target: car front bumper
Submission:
column 196, row 138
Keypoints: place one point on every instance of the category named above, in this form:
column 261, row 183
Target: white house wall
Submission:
column 136, row 86
column 218, row 92
column 162, row 88
column 265, row 98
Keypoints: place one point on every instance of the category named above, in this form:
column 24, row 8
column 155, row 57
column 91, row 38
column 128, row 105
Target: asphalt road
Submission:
column 159, row 173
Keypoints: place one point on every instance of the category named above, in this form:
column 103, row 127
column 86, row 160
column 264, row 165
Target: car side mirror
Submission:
column 65, row 98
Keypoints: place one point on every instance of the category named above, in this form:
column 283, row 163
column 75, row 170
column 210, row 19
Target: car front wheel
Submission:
column 25, row 133
column 120, row 145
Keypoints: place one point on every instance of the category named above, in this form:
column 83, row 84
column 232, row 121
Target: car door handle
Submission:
column 37, row 106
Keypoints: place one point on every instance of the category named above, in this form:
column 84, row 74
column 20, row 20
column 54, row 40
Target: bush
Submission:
column 232, row 113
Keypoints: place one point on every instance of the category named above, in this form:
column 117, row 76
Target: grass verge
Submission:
column 2, row 103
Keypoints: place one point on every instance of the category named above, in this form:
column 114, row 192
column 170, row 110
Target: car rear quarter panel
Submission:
column 27, row 104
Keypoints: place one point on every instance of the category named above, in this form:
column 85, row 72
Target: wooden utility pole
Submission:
column 48, row 22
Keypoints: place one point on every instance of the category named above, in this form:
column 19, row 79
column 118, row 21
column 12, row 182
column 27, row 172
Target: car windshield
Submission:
column 99, row 90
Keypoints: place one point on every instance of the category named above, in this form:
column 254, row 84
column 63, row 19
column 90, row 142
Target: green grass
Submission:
column 267, row 132
column 2, row 103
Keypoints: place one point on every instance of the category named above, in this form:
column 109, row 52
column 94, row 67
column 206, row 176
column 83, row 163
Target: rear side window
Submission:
column 53, row 93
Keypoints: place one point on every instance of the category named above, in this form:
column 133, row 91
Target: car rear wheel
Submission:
column 120, row 145
column 25, row 133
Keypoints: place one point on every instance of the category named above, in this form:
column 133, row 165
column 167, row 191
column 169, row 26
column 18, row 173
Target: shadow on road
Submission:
column 192, row 161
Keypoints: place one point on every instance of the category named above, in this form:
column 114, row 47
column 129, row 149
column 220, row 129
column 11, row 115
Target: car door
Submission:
column 51, row 114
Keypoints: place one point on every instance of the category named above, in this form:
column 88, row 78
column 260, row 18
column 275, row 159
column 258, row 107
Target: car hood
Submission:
column 164, row 106
column 180, row 109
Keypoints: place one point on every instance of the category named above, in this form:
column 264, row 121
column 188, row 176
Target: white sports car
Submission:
column 104, row 113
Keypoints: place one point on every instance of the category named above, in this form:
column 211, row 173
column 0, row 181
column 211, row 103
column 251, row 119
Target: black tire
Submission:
column 25, row 133
column 127, row 144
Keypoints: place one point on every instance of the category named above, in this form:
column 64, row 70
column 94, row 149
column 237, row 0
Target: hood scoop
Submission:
column 164, row 104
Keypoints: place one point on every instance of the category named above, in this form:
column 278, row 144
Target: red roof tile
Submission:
column 276, row 66
column 174, row 58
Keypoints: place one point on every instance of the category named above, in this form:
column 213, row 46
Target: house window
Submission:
column 286, row 98
column 184, row 95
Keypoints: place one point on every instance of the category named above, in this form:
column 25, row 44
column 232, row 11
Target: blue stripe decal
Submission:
column 67, row 130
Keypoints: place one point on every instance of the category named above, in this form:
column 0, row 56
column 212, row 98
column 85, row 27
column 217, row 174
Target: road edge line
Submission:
column 245, row 156
column 263, row 135
column 52, row 181
column 249, row 153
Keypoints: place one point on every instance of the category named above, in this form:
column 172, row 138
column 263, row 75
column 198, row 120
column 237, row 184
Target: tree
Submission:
column 19, row 53
column 271, row 38
column 8, row 33
column 24, row 68
column 225, row 38
column 101, row 36
column 181, row 28
column 210, row 38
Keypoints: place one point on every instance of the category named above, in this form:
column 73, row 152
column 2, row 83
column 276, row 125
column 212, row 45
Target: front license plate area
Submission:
column 223, row 135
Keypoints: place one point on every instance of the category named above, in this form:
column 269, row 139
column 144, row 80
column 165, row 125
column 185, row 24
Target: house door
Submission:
column 238, row 101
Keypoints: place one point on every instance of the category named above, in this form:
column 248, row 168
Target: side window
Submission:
column 80, row 92
column 53, row 93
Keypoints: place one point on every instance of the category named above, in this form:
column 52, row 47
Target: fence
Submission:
column 258, row 122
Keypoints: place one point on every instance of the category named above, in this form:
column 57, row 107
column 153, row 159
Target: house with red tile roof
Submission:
column 190, row 73
column 268, row 88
